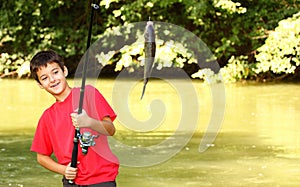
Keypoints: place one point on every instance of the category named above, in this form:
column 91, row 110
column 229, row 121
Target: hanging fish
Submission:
column 149, row 49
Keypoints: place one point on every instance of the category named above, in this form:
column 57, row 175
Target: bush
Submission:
column 281, row 52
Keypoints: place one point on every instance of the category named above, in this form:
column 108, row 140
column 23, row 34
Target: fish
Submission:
column 149, row 50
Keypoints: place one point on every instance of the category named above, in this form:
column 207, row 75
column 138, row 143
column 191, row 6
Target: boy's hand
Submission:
column 70, row 172
column 80, row 120
column 104, row 126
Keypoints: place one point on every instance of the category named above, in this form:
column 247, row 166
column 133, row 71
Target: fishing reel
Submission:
column 86, row 140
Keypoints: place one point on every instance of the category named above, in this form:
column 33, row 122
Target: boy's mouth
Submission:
column 54, row 85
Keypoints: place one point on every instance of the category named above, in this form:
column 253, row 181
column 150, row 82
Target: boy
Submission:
column 55, row 130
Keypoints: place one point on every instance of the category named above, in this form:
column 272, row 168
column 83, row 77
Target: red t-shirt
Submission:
column 55, row 133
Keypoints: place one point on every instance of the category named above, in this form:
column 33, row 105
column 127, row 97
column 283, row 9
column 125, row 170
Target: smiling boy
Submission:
column 55, row 130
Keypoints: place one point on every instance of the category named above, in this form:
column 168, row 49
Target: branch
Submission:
column 12, row 73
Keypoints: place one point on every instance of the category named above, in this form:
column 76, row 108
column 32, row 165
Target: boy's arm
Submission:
column 50, row 164
column 104, row 126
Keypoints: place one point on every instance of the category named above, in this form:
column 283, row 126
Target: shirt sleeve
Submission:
column 41, row 141
column 98, row 107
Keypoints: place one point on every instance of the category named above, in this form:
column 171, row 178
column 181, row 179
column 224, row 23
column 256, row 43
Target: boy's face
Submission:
column 52, row 78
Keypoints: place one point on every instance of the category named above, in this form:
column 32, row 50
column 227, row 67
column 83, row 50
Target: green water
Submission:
column 257, row 145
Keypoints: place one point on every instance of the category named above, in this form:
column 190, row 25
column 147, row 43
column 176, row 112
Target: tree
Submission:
column 229, row 28
column 279, row 57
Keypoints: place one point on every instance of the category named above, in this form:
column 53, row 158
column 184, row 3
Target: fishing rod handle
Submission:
column 74, row 152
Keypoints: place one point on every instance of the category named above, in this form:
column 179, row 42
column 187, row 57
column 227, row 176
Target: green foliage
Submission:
column 281, row 51
column 229, row 28
column 14, row 65
column 168, row 54
column 208, row 76
column 169, row 51
column 29, row 26
column 237, row 69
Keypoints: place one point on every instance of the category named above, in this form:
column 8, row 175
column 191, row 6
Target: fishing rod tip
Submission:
column 95, row 6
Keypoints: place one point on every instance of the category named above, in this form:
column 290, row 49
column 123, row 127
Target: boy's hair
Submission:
column 42, row 59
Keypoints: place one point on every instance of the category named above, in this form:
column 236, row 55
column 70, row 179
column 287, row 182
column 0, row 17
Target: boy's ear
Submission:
column 66, row 71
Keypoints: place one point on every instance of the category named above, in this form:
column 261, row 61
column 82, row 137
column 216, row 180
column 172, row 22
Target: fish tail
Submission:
column 144, row 88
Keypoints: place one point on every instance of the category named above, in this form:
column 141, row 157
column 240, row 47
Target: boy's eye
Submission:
column 44, row 78
column 56, row 72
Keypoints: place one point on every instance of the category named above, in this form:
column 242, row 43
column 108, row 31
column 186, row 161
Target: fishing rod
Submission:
column 77, row 134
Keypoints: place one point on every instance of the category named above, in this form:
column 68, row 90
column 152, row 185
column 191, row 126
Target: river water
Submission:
column 255, row 139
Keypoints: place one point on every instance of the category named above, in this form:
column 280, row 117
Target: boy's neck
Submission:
column 61, row 97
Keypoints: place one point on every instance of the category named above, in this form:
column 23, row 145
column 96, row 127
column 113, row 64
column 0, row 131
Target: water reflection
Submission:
column 272, row 111
column 258, row 144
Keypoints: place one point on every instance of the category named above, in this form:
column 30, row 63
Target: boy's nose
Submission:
column 51, row 78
